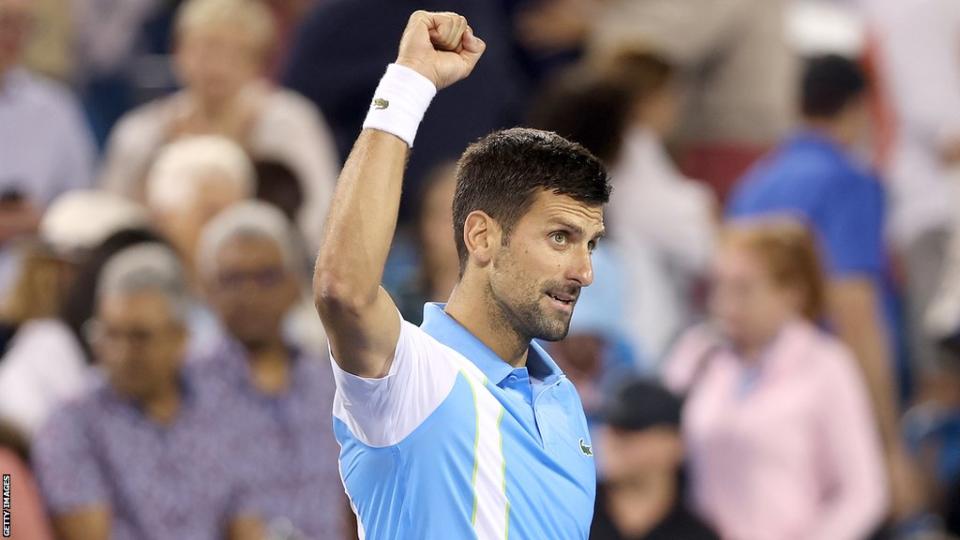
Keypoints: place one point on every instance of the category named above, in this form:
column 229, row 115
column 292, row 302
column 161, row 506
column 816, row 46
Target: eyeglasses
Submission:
column 98, row 332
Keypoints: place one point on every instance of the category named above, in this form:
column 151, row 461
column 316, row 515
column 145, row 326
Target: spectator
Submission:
column 739, row 71
column 278, row 185
column 221, row 48
column 275, row 391
column 622, row 110
column 45, row 147
column 191, row 181
column 815, row 175
column 640, row 456
column 439, row 268
column 918, row 56
column 43, row 362
column 141, row 456
column 777, row 423
column 340, row 54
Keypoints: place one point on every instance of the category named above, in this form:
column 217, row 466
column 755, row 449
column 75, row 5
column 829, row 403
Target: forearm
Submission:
column 362, row 218
column 865, row 334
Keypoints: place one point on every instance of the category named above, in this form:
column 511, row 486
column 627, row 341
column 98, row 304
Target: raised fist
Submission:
column 440, row 46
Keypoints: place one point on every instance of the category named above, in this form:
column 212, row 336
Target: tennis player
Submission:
column 463, row 427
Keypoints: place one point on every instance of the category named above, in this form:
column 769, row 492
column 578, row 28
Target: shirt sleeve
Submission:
column 66, row 464
column 382, row 412
column 852, row 229
column 851, row 454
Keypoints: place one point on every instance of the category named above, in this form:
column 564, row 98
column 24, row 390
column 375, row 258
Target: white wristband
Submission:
column 398, row 105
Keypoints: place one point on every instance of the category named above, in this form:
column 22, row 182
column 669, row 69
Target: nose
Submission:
column 581, row 268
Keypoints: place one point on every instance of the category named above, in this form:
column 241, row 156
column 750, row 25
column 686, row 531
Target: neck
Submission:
column 484, row 319
column 835, row 130
column 162, row 407
column 269, row 366
column 638, row 508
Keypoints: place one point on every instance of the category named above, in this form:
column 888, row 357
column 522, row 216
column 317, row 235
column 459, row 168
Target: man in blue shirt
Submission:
column 815, row 176
column 461, row 428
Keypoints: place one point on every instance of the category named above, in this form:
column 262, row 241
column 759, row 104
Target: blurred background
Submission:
column 770, row 351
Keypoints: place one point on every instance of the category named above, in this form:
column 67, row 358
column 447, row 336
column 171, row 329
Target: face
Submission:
column 746, row 304
column 631, row 455
column 215, row 62
column 183, row 225
column 138, row 342
column 436, row 222
column 252, row 289
column 15, row 19
column 535, row 279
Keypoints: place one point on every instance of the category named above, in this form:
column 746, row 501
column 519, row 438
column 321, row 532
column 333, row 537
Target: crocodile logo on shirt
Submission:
column 380, row 104
column 587, row 449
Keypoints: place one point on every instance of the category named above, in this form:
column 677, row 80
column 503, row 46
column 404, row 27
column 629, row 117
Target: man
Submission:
column 266, row 383
column 140, row 456
column 815, row 175
column 461, row 428
column 45, row 147
column 641, row 454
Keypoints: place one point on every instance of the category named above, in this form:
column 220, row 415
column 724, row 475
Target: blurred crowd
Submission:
column 770, row 350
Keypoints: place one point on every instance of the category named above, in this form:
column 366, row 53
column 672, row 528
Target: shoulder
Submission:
column 45, row 93
column 282, row 104
column 148, row 120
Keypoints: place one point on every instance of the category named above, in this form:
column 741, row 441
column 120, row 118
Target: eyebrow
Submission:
column 578, row 229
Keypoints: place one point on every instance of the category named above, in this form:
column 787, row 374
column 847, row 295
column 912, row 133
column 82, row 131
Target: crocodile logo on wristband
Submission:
column 380, row 104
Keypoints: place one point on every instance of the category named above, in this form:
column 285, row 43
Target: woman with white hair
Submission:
column 191, row 181
column 221, row 50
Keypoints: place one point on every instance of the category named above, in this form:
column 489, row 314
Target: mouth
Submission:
column 562, row 301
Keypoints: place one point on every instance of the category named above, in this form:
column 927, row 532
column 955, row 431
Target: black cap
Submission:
column 641, row 403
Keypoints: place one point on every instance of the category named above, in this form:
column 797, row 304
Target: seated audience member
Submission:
column 141, row 456
column 641, row 495
column 439, row 265
column 45, row 146
column 779, row 433
column 43, row 362
column 621, row 110
column 816, row 176
column 190, row 182
column 269, row 387
column 220, row 51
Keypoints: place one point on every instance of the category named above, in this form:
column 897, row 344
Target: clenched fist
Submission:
column 440, row 46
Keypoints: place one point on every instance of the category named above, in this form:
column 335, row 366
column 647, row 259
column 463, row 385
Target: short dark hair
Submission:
column 830, row 83
column 501, row 173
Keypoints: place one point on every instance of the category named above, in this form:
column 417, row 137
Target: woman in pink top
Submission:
column 782, row 444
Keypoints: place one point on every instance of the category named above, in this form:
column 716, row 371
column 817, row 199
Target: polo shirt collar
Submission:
column 448, row 331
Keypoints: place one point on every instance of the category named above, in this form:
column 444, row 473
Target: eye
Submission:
column 591, row 245
column 559, row 238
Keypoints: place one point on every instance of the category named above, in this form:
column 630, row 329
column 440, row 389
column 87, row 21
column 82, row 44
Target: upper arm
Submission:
column 362, row 337
column 86, row 523
column 382, row 411
column 852, row 229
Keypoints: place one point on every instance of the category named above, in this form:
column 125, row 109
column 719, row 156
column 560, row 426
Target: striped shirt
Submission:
column 455, row 443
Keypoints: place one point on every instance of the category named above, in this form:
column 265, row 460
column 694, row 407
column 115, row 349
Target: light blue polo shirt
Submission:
column 454, row 443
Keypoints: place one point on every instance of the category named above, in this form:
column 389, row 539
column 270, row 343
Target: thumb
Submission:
column 472, row 47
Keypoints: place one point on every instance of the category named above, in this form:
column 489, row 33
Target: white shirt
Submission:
column 43, row 368
column 648, row 192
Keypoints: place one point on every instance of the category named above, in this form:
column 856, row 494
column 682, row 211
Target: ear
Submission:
column 482, row 236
